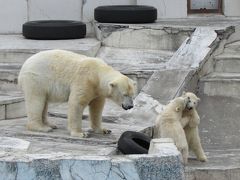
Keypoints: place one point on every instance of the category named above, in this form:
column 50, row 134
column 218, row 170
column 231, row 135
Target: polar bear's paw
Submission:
column 79, row 134
column 32, row 126
column 203, row 159
column 102, row 131
column 106, row 131
column 53, row 126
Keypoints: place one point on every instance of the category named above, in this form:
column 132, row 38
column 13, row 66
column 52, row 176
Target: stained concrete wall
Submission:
column 231, row 7
column 13, row 13
column 168, row 8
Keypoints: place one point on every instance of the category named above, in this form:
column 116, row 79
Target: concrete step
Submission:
column 219, row 133
column 11, row 105
column 223, row 164
column 138, row 64
column 142, row 36
column 228, row 63
column 233, row 47
column 16, row 49
column 221, row 84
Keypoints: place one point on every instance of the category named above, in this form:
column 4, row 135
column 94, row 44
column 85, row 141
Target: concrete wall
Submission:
column 55, row 9
column 168, row 8
column 13, row 13
column 231, row 7
column 90, row 5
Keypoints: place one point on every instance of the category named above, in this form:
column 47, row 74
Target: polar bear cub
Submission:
column 190, row 121
column 169, row 126
column 60, row 76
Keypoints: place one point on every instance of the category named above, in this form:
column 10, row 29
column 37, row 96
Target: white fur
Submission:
column 168, row 125
column 60, row 76
column 190, row 121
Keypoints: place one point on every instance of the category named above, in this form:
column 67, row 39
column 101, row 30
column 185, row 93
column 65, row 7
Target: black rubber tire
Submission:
column 134, row 143
column 125, row 14
column 54, row 29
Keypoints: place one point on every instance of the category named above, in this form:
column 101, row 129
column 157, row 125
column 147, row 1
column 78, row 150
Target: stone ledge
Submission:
column 66, row 166
column 16, row 49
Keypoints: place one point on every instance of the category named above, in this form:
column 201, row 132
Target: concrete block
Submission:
column 2, row 112
column 15, row 110
column 90, row 5
column 12, row 15
column 141, row 36
column 55, row 9
column 167, row 8
column 162, row 146
column 65, row 166
column 231, row 7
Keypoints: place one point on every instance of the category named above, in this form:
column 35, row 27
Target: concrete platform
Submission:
column 223, row 164
column 60, row 140
column 16, row 49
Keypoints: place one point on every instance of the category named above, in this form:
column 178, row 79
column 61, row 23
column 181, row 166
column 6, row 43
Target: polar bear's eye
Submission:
column 188, row 97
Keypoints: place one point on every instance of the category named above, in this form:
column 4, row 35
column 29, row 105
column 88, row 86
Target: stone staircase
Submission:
column 219, row 112
column 225, row 80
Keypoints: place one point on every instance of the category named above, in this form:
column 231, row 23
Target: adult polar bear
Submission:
column 60, row 76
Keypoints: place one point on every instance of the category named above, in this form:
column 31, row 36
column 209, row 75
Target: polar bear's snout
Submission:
column 127, row 103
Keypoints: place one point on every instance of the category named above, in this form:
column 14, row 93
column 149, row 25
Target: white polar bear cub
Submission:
column 60, row 76
column 190, row 121
column 168, row 125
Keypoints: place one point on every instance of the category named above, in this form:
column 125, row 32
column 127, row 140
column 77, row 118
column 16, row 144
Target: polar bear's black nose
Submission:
column 130, row 107
column 127, row 107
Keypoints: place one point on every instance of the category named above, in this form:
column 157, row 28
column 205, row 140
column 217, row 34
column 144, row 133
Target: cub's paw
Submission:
column 79, row 134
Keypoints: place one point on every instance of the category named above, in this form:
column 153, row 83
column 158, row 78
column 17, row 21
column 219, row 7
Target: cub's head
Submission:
column 122, row 91
column 192, row 100
column 178, row 104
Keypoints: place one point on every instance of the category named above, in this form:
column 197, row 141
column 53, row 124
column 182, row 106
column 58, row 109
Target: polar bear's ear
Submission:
column 198, row 99
column 177, row 109
column 111, row 85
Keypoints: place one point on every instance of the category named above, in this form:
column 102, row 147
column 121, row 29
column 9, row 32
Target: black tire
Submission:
column 125, row 14
column 54, row 29
column 134, row 143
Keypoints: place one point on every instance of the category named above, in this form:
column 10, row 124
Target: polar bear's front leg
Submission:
column 75, row 112
column 95, row 109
